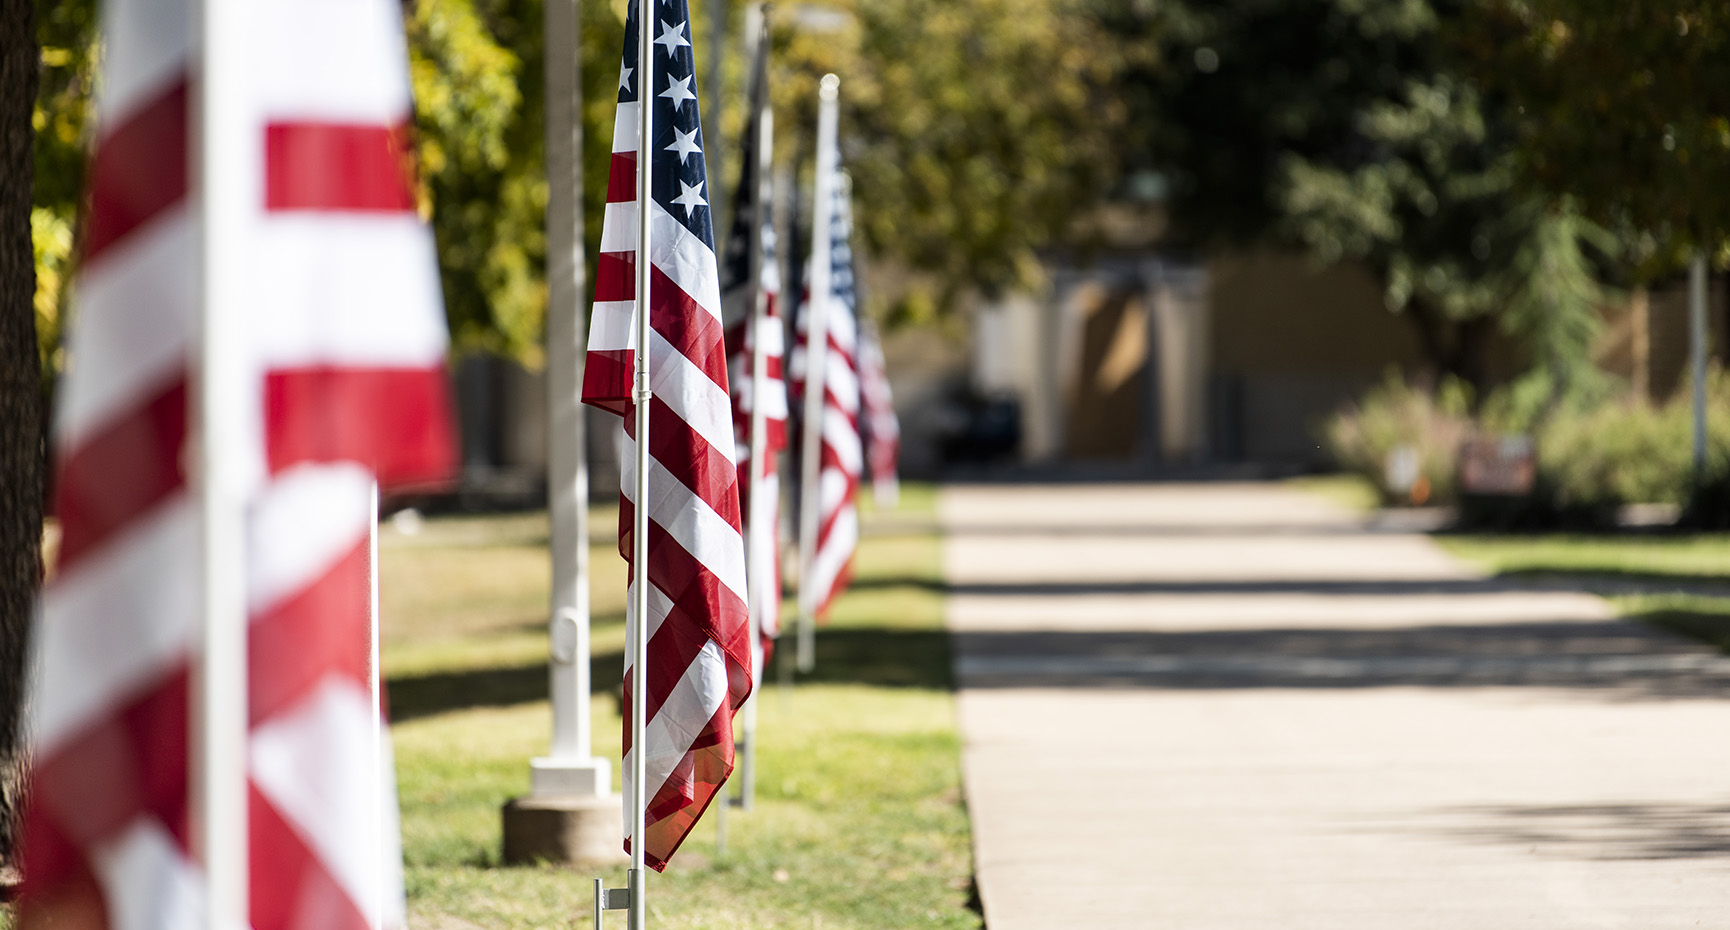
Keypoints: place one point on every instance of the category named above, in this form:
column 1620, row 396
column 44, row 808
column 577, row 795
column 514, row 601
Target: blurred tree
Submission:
column 975, row 131
column 1348, row 128
column 1623, row 106
column 21, row 421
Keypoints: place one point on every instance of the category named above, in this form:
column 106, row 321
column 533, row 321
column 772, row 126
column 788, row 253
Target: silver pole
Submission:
column 637, row 914
column 226, row 156
column 567, row 440
column 712, row 136
column 1697, row 356
column 759, row 532
column 816, row 353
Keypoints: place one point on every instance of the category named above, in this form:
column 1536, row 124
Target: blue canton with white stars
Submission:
column 678, row 179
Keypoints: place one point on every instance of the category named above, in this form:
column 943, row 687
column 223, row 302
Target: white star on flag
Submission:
column 685, row 143
column 625, row 78
column 672, row 37
column 690, row 198
column 679, row 91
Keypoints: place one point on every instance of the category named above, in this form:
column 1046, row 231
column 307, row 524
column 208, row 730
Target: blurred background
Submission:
column 1140, row 237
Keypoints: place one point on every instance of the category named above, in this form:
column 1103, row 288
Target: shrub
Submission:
column 1396, row 414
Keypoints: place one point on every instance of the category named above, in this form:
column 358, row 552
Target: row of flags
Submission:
column 345, row 394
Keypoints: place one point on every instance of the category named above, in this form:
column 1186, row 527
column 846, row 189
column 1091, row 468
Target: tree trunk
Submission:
column 21, row 420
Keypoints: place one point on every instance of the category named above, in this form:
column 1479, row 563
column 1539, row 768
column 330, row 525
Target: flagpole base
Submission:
column 575, row 829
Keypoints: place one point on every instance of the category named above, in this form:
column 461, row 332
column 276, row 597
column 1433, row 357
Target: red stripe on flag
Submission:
column 120, row 473
column 338, row 167
column 616, row 276
column 687, row 456
column 607, row 380
column 138, row 171
column 291, row 888
column 676, row 808
column 394, row 420
column 320, row 630
column 127, row 764
column 622, row 178
column 687, row 327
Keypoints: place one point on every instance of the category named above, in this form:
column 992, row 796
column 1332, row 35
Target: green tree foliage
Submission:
column 1624, row 107
column 61, row 117
column 1350, row 129
column 975, row 131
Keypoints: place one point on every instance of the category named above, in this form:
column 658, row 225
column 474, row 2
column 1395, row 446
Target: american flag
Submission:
column 840, row 457
column 699, row 651
column 882, row 427
column 752, row 203
column 345, row 366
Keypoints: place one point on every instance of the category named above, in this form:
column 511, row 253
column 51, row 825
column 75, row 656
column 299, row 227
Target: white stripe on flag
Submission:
column 700, row 692
column 331, row 60
column 133, row 331
column 303, row 522
column 346, row 289
column 612, row 326
column 625, row 126
column 305, row 760
column 843, row 438
column 144, row 571
column 146, row 880
column 152, row 58
column 619, row 227
column 690, row 520
column 687, row 260
column 692, row 395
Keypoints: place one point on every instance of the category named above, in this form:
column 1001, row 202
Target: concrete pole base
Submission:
column 575, row 829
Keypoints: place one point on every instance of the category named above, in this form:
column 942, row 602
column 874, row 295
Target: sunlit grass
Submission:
column 1664, row 567
column 1351, row 491
column 858, row 821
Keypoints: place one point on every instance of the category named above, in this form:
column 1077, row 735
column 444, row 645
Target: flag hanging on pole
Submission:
column 882, row 427
column 344, row 358
column 752, row 203
column 699, row 652
column 840, row 456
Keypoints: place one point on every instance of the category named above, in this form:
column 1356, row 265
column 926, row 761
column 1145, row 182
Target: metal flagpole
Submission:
column 1697, row 356
column 761, row 580
column 816, row 353
column 226, row 162
column 637, row 913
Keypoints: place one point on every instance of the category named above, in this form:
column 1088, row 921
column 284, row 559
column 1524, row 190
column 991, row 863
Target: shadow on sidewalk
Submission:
column 1616, row 659
column 1600, row 832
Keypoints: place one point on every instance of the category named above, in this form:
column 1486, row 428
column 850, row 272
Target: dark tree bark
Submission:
column 21, row 435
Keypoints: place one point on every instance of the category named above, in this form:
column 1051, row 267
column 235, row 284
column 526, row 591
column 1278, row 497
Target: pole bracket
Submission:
column 610, row 899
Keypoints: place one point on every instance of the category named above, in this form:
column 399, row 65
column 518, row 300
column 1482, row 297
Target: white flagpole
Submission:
column 816, row 354
column 637, row 913
column 570, row 768
column 760, row 558
column 376, row 680
column 225, row 165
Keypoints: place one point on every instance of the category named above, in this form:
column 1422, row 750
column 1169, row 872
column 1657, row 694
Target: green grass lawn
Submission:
column 1675, row 574
column 859, row 821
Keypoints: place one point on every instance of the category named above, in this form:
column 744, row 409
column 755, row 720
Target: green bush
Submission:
column 1594, row 453
column 1395, row 414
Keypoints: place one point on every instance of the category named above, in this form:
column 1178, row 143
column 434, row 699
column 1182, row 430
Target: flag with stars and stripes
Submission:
column 840, row 458
column 699, row 652
column 760, row 499
column 343, row 342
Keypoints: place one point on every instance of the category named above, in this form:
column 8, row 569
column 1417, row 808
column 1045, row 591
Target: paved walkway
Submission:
column 1236, row 706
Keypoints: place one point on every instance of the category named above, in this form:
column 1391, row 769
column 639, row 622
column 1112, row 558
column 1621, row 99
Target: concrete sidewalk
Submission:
column 1236, row 706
